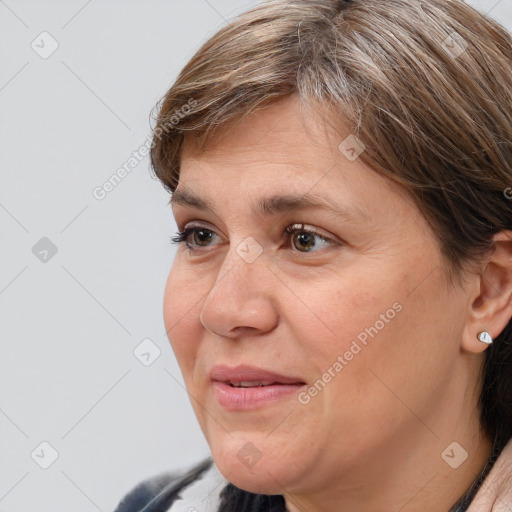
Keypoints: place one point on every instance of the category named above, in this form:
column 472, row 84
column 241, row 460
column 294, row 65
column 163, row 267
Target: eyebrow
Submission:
column 273, row 205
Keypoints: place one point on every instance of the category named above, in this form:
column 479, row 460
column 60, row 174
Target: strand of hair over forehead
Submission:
column 343, row 3
column 339, row 4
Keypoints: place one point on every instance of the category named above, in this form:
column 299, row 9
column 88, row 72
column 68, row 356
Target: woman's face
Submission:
column 349, row 312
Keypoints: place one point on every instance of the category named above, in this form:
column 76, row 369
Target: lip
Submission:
column 225, row 373
column 248, row 398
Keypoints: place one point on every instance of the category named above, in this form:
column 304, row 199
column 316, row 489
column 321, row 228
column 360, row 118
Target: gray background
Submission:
column 70, row 323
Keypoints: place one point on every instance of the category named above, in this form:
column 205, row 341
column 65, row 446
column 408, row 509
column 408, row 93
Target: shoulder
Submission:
column 496, row 490
column 157, row 493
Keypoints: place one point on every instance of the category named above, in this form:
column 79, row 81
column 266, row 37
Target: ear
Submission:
column 491, row 305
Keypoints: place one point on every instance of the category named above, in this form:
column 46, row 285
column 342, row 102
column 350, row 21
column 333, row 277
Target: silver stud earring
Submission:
column 485, row 337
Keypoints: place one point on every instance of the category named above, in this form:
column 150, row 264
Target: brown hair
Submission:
column 424, row 84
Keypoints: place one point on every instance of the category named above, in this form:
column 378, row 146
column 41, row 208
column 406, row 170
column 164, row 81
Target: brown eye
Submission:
column 202, row 237
column 195, row 237
column 307, row 240
column 303, row 240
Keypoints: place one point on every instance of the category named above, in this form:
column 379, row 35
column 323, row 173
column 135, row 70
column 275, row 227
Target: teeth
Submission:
column 251, row 383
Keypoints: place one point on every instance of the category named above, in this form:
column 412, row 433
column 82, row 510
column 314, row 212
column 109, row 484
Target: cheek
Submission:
column 399, row 347
column 380, row 329
column 345, row 325
column 182, row 304
column 336, row 312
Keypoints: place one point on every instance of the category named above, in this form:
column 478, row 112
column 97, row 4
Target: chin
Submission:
column 254, row 466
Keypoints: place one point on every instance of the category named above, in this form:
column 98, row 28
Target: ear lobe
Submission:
column 491, row 310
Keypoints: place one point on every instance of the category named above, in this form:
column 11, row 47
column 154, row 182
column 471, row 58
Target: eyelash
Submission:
column 182, row 236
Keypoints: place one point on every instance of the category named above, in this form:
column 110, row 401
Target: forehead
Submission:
column 282, row 127
column 277, row 151
column 277, row 144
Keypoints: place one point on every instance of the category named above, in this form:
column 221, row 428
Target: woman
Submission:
column 340, row 302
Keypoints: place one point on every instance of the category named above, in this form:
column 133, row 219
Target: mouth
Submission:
column 250, row 376
column 251, row 383
column 244, row 387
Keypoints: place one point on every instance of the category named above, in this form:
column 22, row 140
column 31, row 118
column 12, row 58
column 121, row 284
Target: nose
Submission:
column 240, row 301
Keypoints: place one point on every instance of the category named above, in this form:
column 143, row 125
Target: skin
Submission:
column 372, row 438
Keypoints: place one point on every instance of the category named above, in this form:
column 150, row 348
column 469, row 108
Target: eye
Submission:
column 307, row 240
column 194, row 236
column 302, row 239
